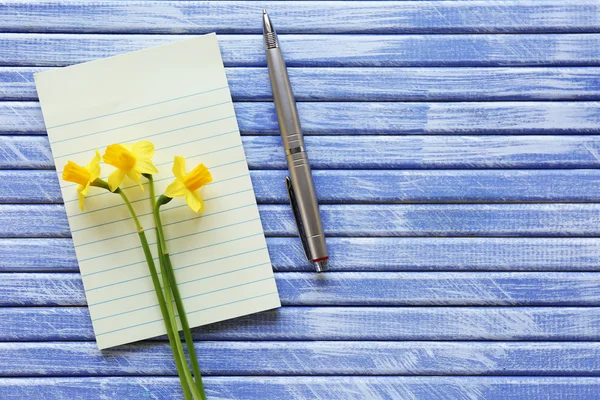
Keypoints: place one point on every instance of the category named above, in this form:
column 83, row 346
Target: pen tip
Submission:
column 320, row 266
column 268, row 32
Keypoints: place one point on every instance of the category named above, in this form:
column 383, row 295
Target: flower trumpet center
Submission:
column 119, row 157
column 197, row 178
column 76, row 174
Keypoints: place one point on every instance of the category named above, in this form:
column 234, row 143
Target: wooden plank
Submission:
column 443, row 186
column 378, row 186
column 389, row 118
column 444, row 220
column 376, row 152
column 363, row 254
column 19, row 49
column 308, row 358
column 29, row 187
column 384, row 84
column 302, row 17
column 307, row 387
column 337, row 323
column 359, row 289
column 504, row 220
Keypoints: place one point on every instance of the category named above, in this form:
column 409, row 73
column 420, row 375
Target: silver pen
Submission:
column 299, row 184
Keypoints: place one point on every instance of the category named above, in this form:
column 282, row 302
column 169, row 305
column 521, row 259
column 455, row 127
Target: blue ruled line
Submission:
column 148, row 291
column 149, row 136
column 176, row 269
column 213, row 229
column 113, row 237
column 227, row 288
column 137, row 108
column 173, row 238
column 191, row 312
column 182, row 283
column 122, row 297
column 140, row 123
column 220, row 258
column 183, row 267
column 197, row 248
column 137, row 247
column 232, row 302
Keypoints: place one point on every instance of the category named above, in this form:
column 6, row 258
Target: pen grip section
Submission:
column 297, row 217
column 306, row 204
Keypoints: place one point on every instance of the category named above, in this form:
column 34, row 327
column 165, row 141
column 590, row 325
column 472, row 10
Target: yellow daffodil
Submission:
column 188, row 184
column 83, row 176
column 129, row 160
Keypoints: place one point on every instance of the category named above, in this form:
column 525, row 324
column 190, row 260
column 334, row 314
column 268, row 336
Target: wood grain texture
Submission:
column 377, row 186
column 337, row 323
column 483, row 289
column 338, row 50
column 377, row 152
column 384, row 84
column 363, row 254
column 359, row 289
column 308, row 358
column 504, row 220
column 383, row 118
column 302, row 17
column 306, row 387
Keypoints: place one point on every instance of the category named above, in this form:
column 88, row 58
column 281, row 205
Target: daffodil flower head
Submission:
column 83, row 176
column 129, row 160
column 187, row 185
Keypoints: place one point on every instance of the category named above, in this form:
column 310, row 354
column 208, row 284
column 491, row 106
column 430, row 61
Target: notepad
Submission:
column 176, row 96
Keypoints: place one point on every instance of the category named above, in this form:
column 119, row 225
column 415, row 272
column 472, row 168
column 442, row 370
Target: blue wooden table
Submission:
column 457, row 162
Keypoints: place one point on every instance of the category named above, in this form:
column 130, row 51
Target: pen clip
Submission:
column 296, row 211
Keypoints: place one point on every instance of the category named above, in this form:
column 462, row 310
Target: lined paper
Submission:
column 176, row 96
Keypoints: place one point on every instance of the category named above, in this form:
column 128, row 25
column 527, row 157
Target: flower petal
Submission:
column 179, row 167
column 194, row 200
column 75, row 173
column 94, row 167
column 119, row 157
column 83, row 189
column 145, row 167
column 175, row 189
column 197, row 178
column 115, row 179
column 136, row 177
column 143, row 150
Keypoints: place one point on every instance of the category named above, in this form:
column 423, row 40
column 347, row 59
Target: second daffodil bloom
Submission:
column 129, row 160
column 83, row 176
column 188, row 184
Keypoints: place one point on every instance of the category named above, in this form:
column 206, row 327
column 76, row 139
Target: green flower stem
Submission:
column 186, row 327
column 170, row 284
column 178, row 301
column 171, row 313
column 173, row 340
